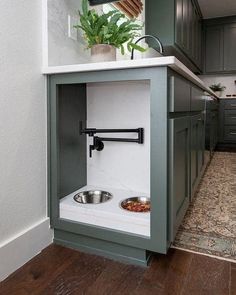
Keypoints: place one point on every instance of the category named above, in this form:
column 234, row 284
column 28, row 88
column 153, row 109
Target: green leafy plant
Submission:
column 217, row 87
column 104, row 29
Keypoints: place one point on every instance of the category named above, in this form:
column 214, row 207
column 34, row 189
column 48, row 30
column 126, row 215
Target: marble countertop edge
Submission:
column 170, row 61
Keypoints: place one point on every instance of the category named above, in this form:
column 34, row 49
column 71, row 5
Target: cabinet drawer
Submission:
column 230, row 117
column 230, row 133
column 230, row 104
column 180, row 92
column 197, row 99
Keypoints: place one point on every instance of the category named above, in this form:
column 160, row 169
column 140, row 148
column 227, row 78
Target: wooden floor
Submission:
column 61, row 271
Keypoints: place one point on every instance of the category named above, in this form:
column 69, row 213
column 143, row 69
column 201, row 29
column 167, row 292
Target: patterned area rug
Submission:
column 209, row 225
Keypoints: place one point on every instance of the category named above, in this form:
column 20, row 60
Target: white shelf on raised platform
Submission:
column 108, row 214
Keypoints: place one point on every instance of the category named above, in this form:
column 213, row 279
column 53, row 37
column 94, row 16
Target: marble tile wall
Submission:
column 62, row 50
column 227, row 80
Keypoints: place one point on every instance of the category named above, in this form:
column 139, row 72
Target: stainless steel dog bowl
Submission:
column 92, row 197
column 135, row 200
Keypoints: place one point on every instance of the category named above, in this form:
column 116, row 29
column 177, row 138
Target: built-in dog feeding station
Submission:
column 101, row 172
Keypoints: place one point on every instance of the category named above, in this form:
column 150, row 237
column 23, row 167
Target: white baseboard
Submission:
column 21, row 248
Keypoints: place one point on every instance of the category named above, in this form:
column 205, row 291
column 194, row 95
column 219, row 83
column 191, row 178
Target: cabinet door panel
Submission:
column 230, row 117
column 180, row 90
column 194, row 153
column 199, row 44
column 229, row 104
column 201, row 143
column 179, row 172
column 230, row 47
column 214, row 129
column 194, row 34
column 197, row 150
column 230, row 134
column 179, row 23
column 185, row 27
column 214, row 49
column 190, row 25
column 197, row 99
column 71, row 106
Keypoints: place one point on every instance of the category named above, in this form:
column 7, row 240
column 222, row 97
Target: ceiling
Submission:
column 217, row 8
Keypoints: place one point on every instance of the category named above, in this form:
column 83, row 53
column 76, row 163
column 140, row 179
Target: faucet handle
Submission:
column 97, row 145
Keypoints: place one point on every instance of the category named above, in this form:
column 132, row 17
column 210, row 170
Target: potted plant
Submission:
column 104, row 33
column 217, row 88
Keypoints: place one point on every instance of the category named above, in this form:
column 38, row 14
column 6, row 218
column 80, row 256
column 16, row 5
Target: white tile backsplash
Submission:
column 227, row 80
column 125, row 104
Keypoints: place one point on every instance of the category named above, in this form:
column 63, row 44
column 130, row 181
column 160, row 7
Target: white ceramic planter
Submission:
column 103, row 52
column 218, row 93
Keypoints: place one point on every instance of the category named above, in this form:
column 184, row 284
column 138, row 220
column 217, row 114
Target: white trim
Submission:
column 45, row 33
column 18, row 250
column 204, row 254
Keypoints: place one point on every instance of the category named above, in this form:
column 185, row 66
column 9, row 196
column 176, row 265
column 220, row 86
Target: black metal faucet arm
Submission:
column 156, row 39
column 98, row 141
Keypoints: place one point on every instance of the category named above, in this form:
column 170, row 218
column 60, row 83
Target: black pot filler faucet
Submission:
column 98, row 144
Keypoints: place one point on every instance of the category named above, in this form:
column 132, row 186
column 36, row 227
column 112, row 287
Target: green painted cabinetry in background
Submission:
column 227, row 122
column 230, row 47
column 179, row 171
column 220, row 45
column 214, row 56
column 178, row 24
column 186, row 146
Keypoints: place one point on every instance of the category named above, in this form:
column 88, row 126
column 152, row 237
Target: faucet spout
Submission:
column 161, row 50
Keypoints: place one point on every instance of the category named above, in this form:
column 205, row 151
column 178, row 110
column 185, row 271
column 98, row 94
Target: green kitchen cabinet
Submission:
column 201, row 142
column 212, row 125
column 197, row 99
column 180, row 94
column 181, row 25
column 214, row 49
column 220, row 45
column 179, row 171
column 227, row 123
column 176, row 138
column 197, row 142
column 194, row 154
column 178, row 25
column 194, row 27
column 187, row 145
column 67, row 168
column 230, row 47
column 197, row 150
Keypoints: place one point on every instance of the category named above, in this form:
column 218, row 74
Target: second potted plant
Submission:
column 105, row 33
column 217, row 88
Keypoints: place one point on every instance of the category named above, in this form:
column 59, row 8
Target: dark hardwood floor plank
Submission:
column 32, row 277
column 166, row 274
column 178, row 271
column 117, row 278
column 78, row 276
column 233, row 279
column 62, row 271
column 207, row 276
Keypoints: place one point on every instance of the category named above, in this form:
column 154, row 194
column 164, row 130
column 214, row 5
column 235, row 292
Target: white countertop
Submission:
column 170, row 61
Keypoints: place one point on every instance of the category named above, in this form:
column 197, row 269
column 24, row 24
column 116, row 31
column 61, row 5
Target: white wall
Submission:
column 120, row 105
column 63, row 50
column 22, row 126
column 226, row 80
